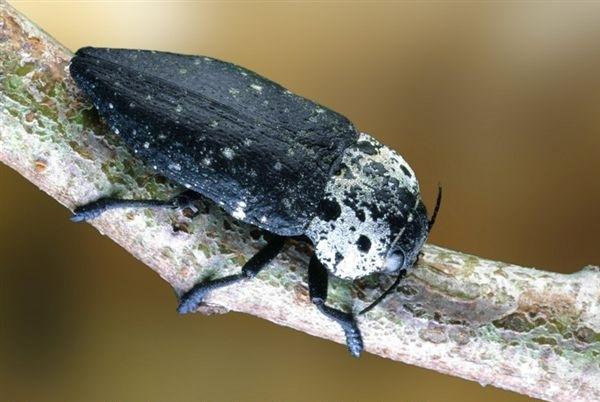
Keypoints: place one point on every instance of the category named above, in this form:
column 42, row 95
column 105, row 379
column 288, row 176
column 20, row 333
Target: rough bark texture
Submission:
column 526, row 330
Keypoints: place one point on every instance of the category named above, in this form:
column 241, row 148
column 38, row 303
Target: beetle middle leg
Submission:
column 192, row 298
column 95, row 208
column 317, row 287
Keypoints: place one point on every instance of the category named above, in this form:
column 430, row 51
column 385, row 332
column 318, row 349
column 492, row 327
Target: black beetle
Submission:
column 268, row 157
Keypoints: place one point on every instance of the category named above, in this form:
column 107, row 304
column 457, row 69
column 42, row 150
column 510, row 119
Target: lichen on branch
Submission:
column 527, row 330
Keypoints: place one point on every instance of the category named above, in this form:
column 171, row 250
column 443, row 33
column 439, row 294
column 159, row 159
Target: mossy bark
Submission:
column 527, row 330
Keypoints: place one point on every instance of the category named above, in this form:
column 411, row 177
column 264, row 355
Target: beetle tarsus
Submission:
column 317, row 286
column 191, row 299
column 87, row 212
column 347, row 322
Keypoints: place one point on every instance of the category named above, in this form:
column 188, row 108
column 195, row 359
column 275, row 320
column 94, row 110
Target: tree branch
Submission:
column 526, row 330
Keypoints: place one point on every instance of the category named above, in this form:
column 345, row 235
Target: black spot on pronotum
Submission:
column 360, row 214
column 338, row 257
column 363, row 244
column 366, row 147
column 340, row 169
column 348, row 174
column 329, row 210
column 374, row 168
column 406, row 171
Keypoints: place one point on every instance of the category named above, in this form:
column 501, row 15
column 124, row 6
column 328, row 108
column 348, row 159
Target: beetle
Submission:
column 269, row 158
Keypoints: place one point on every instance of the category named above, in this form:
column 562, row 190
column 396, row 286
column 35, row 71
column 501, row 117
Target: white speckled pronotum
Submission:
column 373, row 190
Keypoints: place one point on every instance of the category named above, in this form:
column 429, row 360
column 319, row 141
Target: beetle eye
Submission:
column 397, row 253
column 395, row 260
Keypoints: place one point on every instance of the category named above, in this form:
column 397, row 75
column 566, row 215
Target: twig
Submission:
column 526, row 330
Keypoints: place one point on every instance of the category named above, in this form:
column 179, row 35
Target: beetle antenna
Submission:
column 401, row 275
column 438, row 203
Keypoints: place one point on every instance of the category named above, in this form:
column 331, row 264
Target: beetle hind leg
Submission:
column 317, row 286
column 95, row 208
column 192, row 298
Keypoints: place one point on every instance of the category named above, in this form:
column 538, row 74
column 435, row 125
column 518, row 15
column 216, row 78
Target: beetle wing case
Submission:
column 263, row 153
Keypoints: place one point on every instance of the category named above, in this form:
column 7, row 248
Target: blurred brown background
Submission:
column 497, row 102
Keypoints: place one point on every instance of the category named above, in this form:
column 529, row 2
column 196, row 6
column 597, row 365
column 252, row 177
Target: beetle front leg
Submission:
column 95, row 208
column 317, row 287
column 192, row 298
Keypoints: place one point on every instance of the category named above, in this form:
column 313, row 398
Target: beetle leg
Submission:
column 317, row 287
column 192, row 298
column 95, row 208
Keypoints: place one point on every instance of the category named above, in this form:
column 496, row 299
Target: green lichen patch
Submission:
column 587, row 335
column 517, row 322
column 538, row 332
column 82, row 150
column 545, row 340
column 24, row 69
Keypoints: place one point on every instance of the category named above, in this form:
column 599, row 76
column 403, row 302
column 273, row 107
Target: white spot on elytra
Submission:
column 320, row 110
column 182, row 71
column 228, row 153
column 175, row 166
column 206, row 161
column 278, row 166
column 247, row 142
column 239, row 211
column 146, row 145
column 148, row 97
column 256, row 87
column 179, row 109
column 110, row 106
column 263, row 219
column 214, row 123
column 234, row 91
column 116, row 131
